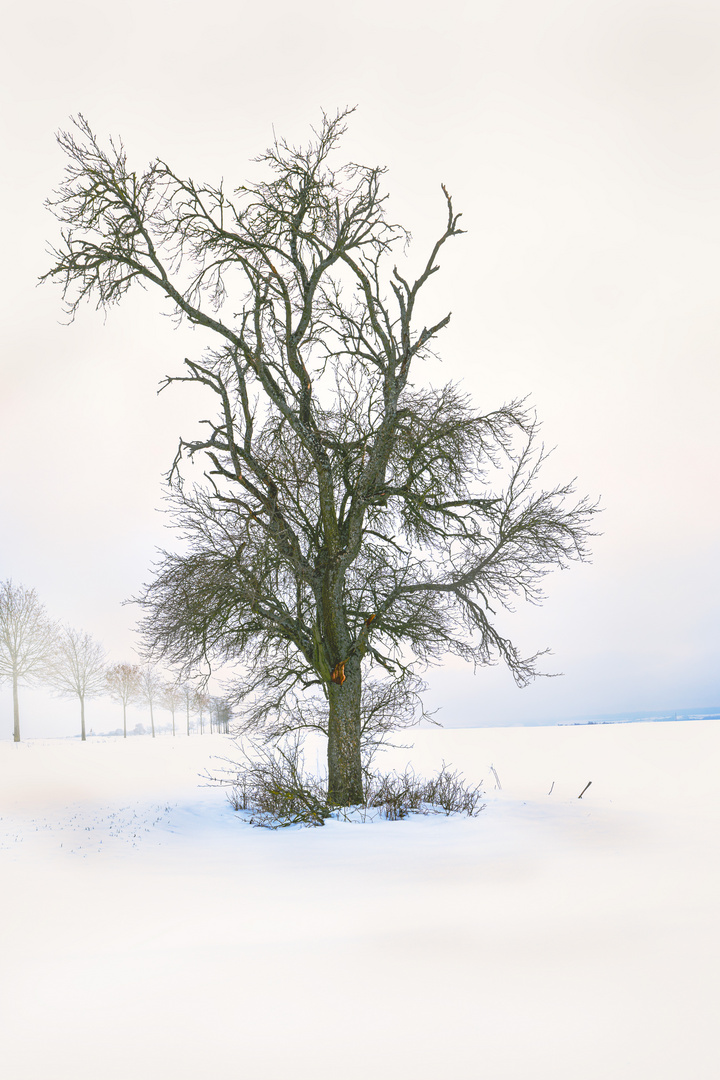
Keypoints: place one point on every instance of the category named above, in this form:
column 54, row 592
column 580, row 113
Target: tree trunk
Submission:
column 345, row 781
column 16, row 710
column 124, row 721
column 82, row 718
column 152, row 720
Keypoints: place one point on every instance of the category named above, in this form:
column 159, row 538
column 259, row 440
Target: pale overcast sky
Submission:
column 581, row 141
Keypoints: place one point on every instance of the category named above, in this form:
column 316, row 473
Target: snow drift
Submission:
column 148, row 933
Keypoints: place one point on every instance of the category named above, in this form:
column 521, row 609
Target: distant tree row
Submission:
column 36, row 651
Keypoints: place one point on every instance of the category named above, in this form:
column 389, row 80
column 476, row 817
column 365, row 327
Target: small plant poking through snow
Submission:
column 400, row 794
column 271, row 785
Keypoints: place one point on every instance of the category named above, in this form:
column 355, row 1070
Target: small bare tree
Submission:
column 202, row 703
column 26, row 641
column 78, row 668
column 150, row 689
column 171, row 699
column 188, row 697
column 123, row 685
column 222, row 714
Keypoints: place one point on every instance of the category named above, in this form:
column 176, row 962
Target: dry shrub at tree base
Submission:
column 272, row 786
column 400, row 794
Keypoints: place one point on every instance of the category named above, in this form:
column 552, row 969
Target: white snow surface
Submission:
column 149, row 933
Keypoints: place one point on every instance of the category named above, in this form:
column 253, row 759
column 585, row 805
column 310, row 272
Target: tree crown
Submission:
column 347, row 513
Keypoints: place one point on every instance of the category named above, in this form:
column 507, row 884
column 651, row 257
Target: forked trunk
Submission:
column 345, row 782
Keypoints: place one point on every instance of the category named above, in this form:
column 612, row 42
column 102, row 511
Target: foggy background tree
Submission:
column 77, row 668
column 150, row 689
column 172, row 698
column 123, row 685
column 188, row 697
column 221, row 713
column 202, row 701
column 26, row 641
column 354, row 525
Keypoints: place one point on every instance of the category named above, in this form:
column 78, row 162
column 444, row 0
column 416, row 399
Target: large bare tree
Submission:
column 78, row 668
column 26, row 641
column 354, row 521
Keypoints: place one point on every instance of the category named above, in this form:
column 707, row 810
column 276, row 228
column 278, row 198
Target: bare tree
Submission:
column 26, row 641
column 171, row 699
column 123, row 685
column 202, row 702
column 221, row 713
column 150, row 689
column 352, row 520
column 187, row 694
column 78, row 668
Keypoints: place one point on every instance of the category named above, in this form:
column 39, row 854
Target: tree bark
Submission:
column 16, row 710
column 345, row 781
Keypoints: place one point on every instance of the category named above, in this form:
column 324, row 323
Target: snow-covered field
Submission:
column 147, row 933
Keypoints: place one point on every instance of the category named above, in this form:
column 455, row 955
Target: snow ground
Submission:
column 147, row 933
